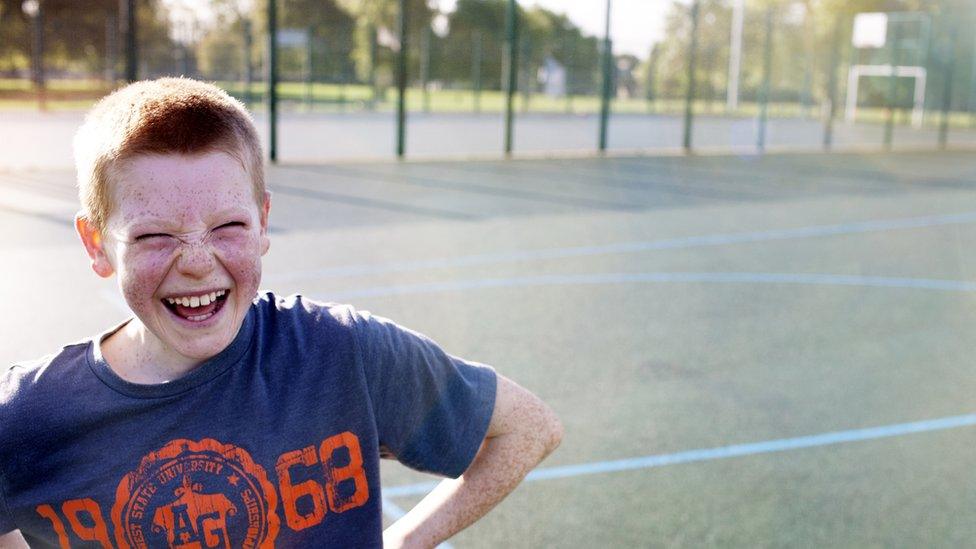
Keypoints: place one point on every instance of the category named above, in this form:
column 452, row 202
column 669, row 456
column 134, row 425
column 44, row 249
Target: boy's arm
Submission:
column 522, row 432
column 13, row 540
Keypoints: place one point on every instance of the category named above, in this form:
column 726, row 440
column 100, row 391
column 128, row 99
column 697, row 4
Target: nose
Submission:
column 196, row 259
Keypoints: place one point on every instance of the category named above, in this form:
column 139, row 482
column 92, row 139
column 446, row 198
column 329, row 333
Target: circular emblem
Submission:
column 196, row 494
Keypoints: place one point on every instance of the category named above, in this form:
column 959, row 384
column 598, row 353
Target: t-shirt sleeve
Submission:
column 432, row 409
column 6, row 521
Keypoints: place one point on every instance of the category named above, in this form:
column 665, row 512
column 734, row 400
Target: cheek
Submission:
column 139, row 277
column 243, row 261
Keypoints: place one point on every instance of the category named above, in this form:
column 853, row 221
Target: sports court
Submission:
column 728, row 241
column 744, row 350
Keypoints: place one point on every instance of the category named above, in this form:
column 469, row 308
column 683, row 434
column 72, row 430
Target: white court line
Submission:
column 720, row 239
column 661, row 277
column 393, row 511
column 722, row 452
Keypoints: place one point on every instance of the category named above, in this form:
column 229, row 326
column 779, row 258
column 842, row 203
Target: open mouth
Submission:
column 197, row 308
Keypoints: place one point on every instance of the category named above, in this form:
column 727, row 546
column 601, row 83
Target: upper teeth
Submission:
column 196, row 300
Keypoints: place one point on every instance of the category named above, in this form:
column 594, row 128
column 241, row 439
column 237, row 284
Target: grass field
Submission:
column 63, row 94
column 745, row 351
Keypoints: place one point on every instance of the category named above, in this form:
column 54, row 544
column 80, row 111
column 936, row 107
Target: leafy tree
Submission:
column 76, row 34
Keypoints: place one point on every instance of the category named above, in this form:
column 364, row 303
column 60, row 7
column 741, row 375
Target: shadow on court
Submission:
column 741, row 348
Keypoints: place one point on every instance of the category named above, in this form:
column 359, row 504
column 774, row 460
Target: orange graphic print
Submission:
column 196, row 495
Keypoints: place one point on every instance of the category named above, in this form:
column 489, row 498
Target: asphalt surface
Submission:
column 660, row 305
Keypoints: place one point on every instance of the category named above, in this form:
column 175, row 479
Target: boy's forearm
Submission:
column 523, row 431
column 13, row 540
column 455, row 504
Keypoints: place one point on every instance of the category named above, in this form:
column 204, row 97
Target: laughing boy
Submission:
column 218, row 416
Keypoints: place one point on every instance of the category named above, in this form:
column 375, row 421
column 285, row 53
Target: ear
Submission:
column 92, row 239
column 265, row 211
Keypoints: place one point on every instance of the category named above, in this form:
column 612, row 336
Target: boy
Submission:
column 216, row 417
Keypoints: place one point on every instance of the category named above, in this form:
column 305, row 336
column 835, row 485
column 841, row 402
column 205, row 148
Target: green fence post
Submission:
column 248, row 68
column 511, row 72
column 950, row 61
column 607, row 71
column 526, row 78
column 476, row 68
column 764, row 91
column 34, row 9
column 690, row 96
column 569, row 53
column 402, row 83
column 972, row 87
column 342, row 56
column 309, row 59
column 650, row 94
column 127, row 19
column 889, row 129
column 828, row 132
column 373, row 54
column 272, row 81
column 111, row 48
column 425, row 65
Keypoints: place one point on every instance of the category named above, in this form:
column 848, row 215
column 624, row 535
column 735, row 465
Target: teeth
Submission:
column 196, row 301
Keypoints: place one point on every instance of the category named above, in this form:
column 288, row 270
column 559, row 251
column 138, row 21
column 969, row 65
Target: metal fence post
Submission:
column 971, row 104
column 889, row 129
column 526, row 76
column 651, row 95
column 764, row 91
column 828, row 132
column 569, row 52
column 373, row 55
column 476, row 69
column 950, row 61
column 272, row 81
column 608, row 68
column 425, row 41
column 34, row 9
column 309, row 63
column 690, row 96
column 111, row 48
column 127, row 19
column 248, row 68
column 511, row 72
column 402, row 83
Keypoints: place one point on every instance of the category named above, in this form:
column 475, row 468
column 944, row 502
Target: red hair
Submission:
column 164, row 116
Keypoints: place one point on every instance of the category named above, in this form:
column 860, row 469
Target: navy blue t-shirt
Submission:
column 274, row 442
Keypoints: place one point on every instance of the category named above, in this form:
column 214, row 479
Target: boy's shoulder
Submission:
column 307, row 313
column 33, row 381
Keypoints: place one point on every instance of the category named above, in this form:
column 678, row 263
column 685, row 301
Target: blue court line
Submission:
column 720, row 239
column 661, row 277
column 723, row 452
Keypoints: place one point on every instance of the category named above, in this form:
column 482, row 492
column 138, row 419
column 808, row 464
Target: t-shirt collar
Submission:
column 198, row 376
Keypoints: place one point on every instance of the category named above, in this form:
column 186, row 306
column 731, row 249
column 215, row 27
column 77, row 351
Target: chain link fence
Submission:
column 490, row 77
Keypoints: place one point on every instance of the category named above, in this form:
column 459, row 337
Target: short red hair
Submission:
column 164, row 116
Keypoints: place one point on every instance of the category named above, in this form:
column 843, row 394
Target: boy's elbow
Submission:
column 553, row 428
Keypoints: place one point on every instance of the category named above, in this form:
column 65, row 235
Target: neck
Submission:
column 137, row 356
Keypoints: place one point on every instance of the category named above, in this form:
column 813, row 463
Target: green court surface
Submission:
column 745, row 351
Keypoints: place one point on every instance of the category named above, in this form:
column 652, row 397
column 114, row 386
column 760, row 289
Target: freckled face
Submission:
column 186, row 238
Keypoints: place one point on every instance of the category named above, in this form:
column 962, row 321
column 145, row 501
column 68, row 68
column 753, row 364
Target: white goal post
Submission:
column 857, row 71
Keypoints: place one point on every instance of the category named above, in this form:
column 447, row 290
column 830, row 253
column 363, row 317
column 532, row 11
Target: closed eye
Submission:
column 148, row 236
column 232, row 224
